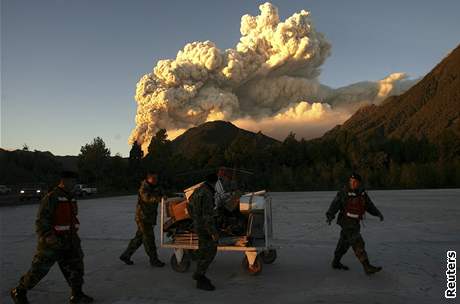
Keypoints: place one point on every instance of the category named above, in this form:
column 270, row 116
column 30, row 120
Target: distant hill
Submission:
column 427, row 110
column 69, row 162
column 215, row 135
column 20, row 166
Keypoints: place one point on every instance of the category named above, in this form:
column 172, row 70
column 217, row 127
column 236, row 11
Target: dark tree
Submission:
column 159, row 158
column 136, row 153
column 93, row 161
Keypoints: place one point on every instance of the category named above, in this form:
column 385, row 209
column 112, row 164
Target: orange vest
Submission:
column 65, row 216
column 355, row 206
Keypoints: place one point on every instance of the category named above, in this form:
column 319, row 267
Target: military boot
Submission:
column 79, row 297
column 203, row 283
column 126, row 260
column 19, row 296
column 370, row 269
column 155, row 262
column 337, row 265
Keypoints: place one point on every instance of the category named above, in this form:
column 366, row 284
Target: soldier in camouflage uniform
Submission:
column 349, row 219
column 149, row 197
column 58, row 241
column 201, row 209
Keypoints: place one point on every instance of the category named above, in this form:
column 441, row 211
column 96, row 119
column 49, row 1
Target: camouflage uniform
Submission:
column 66, row 251
column 350, row 234
column 201, row 208
column 146, row 218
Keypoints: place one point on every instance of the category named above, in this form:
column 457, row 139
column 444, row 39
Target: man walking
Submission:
column 351, row 203
column 202, row 211
column 58, row 242
column 149, row 197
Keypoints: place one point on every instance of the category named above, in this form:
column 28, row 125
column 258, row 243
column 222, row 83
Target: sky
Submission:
column 69, row 67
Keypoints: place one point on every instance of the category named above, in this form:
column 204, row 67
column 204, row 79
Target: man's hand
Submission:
column 51, row 239
column 329, row 218
column 381, row 217
column 215, row 237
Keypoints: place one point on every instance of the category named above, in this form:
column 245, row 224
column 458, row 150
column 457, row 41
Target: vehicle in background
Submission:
column 35, row 191
column 84, row 190
column 4, row 189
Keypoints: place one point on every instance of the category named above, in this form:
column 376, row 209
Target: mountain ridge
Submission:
column 429, row 108
column 216, row 135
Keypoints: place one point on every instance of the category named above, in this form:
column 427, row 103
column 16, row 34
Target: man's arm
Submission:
column 148, row 197
column 207, row 205
column 372, row 209
column 44, row 221
column 334, row 207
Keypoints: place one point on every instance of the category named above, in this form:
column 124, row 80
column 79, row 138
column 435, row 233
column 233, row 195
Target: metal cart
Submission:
column 259, row 251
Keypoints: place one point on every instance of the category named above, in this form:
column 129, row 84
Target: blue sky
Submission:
column 69, row 68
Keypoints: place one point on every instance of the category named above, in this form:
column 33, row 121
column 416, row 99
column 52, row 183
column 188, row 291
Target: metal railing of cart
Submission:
column 257, row 252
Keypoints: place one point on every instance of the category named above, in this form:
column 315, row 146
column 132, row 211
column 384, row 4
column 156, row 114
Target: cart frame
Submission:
column 251, row 260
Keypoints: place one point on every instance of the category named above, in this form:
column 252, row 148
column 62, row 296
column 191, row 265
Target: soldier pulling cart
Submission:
column 244, row 221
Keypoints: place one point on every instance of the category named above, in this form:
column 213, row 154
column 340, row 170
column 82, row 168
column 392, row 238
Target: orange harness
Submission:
column 65, row 216
column 355, row 206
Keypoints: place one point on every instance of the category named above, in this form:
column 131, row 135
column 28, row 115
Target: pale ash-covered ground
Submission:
column 420, row 226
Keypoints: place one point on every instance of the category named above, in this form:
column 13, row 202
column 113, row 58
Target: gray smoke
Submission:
column 269, row 78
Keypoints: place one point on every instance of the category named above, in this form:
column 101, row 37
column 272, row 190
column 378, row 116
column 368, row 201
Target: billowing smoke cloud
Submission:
column 269, row 79
column 367, row 92
column 304, row 119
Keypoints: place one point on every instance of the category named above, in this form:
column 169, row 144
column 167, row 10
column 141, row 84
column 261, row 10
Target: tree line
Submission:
column 322, row 164
column 291, row 165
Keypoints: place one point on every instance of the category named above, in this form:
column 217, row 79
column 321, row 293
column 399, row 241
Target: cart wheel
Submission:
column 183, row 266
column 255, row 269
column 268, row 256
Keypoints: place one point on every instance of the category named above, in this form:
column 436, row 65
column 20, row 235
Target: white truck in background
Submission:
column 84, row 190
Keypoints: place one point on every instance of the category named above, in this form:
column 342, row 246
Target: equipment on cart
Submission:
column 244, row 222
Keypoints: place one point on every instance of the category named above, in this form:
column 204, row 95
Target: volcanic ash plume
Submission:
column 367, row 92
column 274, row 65
column 270, row 76
column 305, row 119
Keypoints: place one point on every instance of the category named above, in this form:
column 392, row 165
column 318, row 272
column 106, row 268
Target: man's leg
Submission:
column 340, row 250
column 42, row 262
column 133, row 245
column 148, row 239
column 72, row 268
column 206, row 253
column 358, row 245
